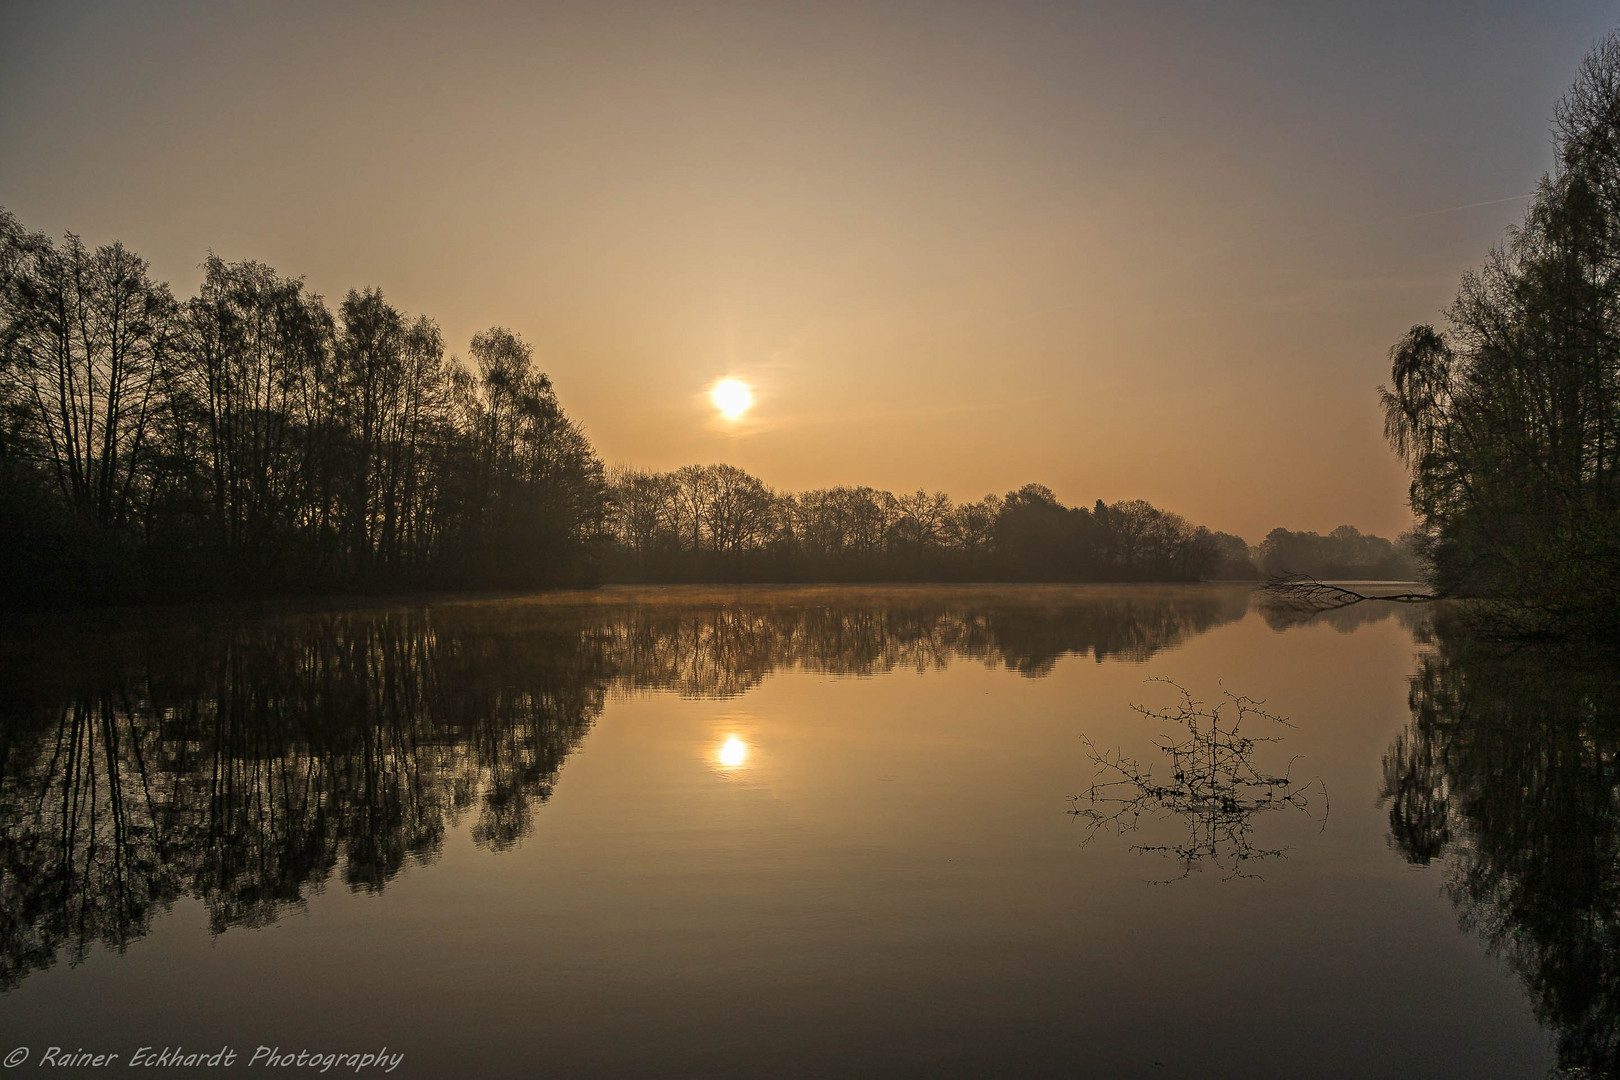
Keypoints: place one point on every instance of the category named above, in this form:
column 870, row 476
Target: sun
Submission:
column 732, row 397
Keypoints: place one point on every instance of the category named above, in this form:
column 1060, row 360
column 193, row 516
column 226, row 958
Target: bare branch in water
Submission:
column 1306, row 593
column 1215, row 786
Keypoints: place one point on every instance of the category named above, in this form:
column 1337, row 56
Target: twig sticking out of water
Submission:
column 1215, row 787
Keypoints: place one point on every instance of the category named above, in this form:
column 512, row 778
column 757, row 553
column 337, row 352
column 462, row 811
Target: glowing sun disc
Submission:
column 732, row 397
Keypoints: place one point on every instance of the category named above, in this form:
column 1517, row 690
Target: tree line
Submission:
column 251, row 439
column 254, row 440
column 1509, row 416
column 1345, row 554
column 718, row 522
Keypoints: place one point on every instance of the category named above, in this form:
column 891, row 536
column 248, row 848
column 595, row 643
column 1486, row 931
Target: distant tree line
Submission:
column 719, row 523
column 1345, row 554
column 1510, row 417
column 250, row 439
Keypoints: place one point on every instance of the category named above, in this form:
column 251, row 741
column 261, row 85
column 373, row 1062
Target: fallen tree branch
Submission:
column 1299, row 590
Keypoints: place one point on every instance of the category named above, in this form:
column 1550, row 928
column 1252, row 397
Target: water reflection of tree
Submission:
column 1216, row 787
column 1511, row 766
column 244, row 763
column 724, row 648
column 1280, row 614
column 243, row 766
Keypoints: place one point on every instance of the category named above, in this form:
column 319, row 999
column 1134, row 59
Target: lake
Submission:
column 812, row 831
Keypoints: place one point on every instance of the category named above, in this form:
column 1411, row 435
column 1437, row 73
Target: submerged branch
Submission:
column 1301, row 591
column 1215, row 788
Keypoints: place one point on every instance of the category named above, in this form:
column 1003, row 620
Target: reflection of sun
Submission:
column 733, row 753
column 732, row 397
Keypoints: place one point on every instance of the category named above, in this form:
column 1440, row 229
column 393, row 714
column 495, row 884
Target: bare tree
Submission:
column 87, row 335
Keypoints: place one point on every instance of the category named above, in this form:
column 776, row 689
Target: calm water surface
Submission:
column 812, row 832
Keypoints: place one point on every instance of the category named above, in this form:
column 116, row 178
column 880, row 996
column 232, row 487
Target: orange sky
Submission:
column 1159, row 253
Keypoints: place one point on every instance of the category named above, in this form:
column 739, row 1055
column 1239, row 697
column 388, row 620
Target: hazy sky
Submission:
column 1147, row 250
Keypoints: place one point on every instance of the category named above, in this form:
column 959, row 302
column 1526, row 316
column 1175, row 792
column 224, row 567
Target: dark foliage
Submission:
column 249, row 440
column 1345, row 554
column 718, row 523
column 1510, row 418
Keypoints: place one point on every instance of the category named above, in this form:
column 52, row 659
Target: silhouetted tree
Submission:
column 1234, row 561
column 85, row 337
column 248, row 414
column 717, row 522
column 1038, row 538
column 248, row 441
column 537, row 510
column 1510, row 418
column 88, row 334
column 1345, row 554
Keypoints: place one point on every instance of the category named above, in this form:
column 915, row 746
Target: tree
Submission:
column 245, row 409
column 1510, row 417
column 640, row 516
column 1346, row 553
column 370, row 369
column 248, row 441
column 86, row 335
column 539, row 497
column 1232, row 558
column 1036, row 536
column 740, row 512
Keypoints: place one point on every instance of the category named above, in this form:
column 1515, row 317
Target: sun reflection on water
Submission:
column 732, row 754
